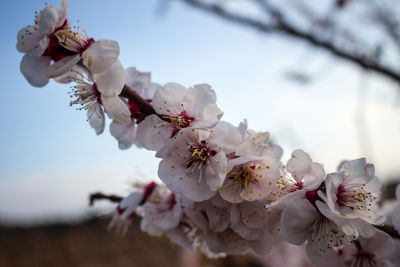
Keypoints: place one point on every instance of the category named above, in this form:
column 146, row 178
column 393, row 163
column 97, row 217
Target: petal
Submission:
column 48, row 19
column 31, row 42
column 196, row 189
column 35, row 70
column 138, row 81
column 381, row 244
column 398, row 192
column 76, row 73
column 197, row 98
column 116, row 108
column 62, row 66
column 62, row 13
column 125, row 134
column 153, row 133
column 299, row 164
column 208, row 117
column 96, row 118
column 325, row 236
column 111, row 81
column 130, row 203
column 226, row 136
column 216, row 171
column 297, row 221
column 168, row 96
column 101, row 55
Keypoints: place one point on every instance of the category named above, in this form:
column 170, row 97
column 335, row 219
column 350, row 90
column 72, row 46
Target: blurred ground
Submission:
column 91, row 244
column 86, row 244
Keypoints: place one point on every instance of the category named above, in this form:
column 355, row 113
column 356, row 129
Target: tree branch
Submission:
column 99, row 196
column 145, row 107
column 287, row 29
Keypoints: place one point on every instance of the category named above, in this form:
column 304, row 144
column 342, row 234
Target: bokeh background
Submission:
column 306, row 98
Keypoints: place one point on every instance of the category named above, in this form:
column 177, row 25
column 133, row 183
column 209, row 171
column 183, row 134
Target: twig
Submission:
column 145, row 108
column 99, row 196
column 285, row 28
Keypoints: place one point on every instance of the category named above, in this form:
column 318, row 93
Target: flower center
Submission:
column 200, row 153
column 74, row 41
column 178, row 122
column 86, row 95
column 354, row 196
column 242, row 175
column 54, row 50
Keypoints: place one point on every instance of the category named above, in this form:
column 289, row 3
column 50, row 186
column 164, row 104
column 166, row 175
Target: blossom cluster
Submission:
column 225, row 188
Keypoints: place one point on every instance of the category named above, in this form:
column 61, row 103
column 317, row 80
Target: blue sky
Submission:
column 51, row 159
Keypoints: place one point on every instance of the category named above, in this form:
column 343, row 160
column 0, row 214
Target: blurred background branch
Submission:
column 365, row 33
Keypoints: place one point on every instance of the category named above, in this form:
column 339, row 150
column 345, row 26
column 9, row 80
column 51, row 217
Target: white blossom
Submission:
column 178, row 108
column 102, row 91
column 351, row 198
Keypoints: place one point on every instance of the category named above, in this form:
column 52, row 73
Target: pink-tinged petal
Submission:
column 153, row 133
column 150, row 228
column 62, row 13
column 34, row 70
column 297, row 221
column 315, row 176
column 111, row 81
column 96, row 118
column 380, row 245
column 169, row 176
column 76, row 73
column 243, row 128
column 196, row 189
column 230, row 191
column 216, row 171
column 218, row 218
column 149, row 93
column 246, row 232
column 347, row 225
column 125, row 134
column 226, row 136
column 274, row 151
column 197, row 98
column 170, row 95
column 261, row 184
column 374, row 186
column 208, row 117
column 267, row 242
column 48, row 19
column 129, row 204
column 138, row 81
column 31, row 42
column 177, row 236
column 101, row 55
column 198, row 219
column 324, row 237
column 299, row 164
column 62, row 66
column 116, row 108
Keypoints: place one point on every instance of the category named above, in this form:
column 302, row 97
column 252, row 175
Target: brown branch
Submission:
column 287, row 29
column 145, row 107
column 99, row 196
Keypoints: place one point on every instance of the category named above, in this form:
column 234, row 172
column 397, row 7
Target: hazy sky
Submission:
column 51, row 159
